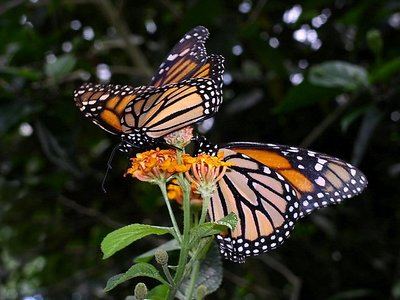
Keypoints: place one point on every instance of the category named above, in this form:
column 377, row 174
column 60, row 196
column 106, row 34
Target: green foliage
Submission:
column 210, row 274
column 60, row 67
column 339, row 74
column 375, row 42
column 212, row 228
column 159, row 292
column 125, row 236
column 139, row 269
column 304, row 95
column 386, row 71
column 167, row 246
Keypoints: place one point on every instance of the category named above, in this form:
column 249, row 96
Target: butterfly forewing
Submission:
column 266, row 206
column 188, row 59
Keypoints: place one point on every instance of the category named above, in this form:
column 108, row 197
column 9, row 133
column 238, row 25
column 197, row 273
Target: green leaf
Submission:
column 229, row 221
column 375, row 41
column 339, row 74
column 371, row 120
column 385, row 71
column 60, row 67
column 159, row 292
column 140, row 269
column 210, row 274
column 24, row 72
column 14, row 112
column 211, row 228
column 204, row 230
column 305, row 94
column 124, row 236
column 168, row 246
column 350, row 117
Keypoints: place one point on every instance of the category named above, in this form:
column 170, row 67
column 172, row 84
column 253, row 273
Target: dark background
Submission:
column 53, row 213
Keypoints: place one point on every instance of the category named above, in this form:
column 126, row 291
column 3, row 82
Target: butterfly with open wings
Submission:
column 269, row 187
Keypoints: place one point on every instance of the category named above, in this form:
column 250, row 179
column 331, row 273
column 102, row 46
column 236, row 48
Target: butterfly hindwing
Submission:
column 266, row 206
column 160, row 111
column 105, row 104
column 319, row 179
column 270, row 187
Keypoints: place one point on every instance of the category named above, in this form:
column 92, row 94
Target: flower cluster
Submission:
column 206, row 171
column 157, row 165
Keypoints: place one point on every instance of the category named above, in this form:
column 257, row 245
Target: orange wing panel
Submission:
column 268, row 158
column 281, row 165
column 111, row 119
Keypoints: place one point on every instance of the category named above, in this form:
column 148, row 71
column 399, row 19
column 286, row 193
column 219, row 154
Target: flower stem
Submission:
column 168, row 275
column 204, row 208
column 183, row 257
column 163, row 189
column 199, row 254
column 193, row 279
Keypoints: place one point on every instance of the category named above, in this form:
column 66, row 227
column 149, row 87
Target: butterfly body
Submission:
column 270, row 187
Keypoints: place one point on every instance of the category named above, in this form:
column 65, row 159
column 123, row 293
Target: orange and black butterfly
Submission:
column 185, row 90
column 270, row 187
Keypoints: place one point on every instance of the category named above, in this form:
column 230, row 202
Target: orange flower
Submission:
column 206, row 171
column 157, row 165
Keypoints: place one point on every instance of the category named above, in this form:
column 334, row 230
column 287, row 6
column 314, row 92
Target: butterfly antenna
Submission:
column 109, row 167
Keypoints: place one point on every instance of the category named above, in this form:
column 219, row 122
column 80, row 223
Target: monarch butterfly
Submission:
column 270, row 187
column 186, row 89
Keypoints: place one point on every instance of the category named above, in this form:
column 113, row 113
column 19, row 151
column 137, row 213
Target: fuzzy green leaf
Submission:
column 159, row 292
column 125, row 236
column 229, row 221
column 212, row 228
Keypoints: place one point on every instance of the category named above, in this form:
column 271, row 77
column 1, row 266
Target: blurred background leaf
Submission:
column 339, row 74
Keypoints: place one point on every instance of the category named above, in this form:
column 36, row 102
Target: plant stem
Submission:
column 200, row 253
column 183, row 257
column 204, row 208
column 163, row 189
column 168, row 274
column 193, row 279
